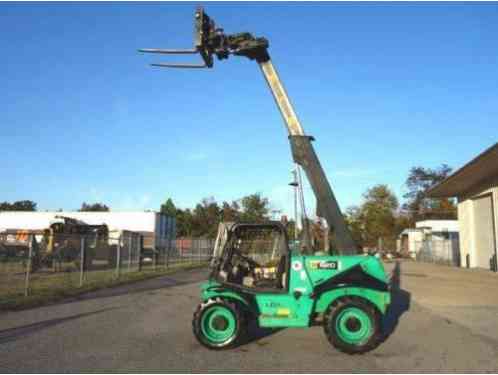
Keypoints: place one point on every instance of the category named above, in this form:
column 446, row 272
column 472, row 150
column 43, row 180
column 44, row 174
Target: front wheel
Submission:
column 352, row 325
column 218, row 324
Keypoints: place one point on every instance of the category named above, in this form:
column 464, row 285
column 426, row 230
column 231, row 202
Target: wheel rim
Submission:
column 218, row 324
column 354, row 326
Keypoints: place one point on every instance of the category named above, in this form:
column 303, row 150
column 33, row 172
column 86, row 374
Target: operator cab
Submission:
column 254, row 257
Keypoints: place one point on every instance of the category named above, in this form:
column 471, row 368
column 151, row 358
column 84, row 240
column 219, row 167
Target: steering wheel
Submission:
column 252, row 263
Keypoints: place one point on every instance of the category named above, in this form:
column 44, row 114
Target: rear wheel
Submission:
column 218, row 324
column 352, row 325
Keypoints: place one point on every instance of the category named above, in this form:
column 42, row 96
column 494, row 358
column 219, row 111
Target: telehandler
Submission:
column 254, row 276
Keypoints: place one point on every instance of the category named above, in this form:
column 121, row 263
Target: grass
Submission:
column 50, row 288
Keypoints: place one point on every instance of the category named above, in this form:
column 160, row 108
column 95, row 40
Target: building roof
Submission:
column 478, row 169
column 438, row 225
column 115, row 220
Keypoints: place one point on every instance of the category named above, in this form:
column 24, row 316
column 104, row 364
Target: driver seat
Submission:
column 281, row 274
column 280, row 277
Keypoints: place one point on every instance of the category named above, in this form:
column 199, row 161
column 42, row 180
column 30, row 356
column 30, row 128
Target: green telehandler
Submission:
column 254, row 275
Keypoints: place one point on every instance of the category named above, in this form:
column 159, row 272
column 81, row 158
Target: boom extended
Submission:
column 210, row 40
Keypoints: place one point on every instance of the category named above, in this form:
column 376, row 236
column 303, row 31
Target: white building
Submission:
column 156, row 228
column 431, row 233
column 476, row 187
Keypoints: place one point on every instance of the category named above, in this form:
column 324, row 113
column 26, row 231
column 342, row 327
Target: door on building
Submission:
column 484, row 232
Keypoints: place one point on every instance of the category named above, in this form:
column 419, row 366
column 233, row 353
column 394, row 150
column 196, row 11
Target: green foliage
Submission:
column 203, row 220
column 206, row 217
column 375, row 218
column 168, row 208
column 230, row 212
column 354, row 220
column 378, row 210
column 418, row 206
column 25, row 205
column 95, row 207
column 183, row 222
column 378, row 216
column 255, row 208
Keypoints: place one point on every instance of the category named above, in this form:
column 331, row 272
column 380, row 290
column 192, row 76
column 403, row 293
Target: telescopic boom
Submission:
column 210, row 41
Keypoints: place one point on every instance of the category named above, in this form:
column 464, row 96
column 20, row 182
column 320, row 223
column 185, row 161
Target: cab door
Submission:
column 292, row 307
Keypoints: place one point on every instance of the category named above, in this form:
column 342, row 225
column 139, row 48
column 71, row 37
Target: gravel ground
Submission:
column 442, row 320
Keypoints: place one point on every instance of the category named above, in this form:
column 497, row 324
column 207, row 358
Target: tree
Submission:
column 375, row 218
column 377, row 213
column 168, row 208
column 206, row 217
column 183, row 222
column 203, row 220
column 418, row 206
column 25, row 205
column 230, row 212
column 354, row 222
column 96, row 207
column 255, row 208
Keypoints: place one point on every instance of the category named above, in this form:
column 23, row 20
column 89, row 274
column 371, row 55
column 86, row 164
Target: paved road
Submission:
column 147, row 327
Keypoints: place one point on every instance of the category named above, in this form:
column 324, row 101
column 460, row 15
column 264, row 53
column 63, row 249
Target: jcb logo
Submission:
column 324, row 264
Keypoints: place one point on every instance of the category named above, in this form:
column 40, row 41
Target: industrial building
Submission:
column 157, row 229
column 434, row 240
column 476, row 187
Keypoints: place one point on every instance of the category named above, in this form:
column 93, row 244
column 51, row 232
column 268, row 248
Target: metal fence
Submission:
column 184, row 250
column 438, row 251
column 34, row 264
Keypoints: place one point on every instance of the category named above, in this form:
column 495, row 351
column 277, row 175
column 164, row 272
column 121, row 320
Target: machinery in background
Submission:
column 59, row 243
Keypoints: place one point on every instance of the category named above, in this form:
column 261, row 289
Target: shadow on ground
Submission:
column 16, row 333
column 255, row 333
column 400, row 303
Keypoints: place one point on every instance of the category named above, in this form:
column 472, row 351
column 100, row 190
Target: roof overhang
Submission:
column 481, row 168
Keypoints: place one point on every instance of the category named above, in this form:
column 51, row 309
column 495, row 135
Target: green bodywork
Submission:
column 296, row 305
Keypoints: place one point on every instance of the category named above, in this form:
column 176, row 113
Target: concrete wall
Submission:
column 467, row 220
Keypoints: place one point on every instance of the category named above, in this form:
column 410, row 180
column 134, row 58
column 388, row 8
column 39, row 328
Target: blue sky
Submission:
column 382, row 87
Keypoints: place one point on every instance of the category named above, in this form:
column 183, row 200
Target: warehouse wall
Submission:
column 468, row 220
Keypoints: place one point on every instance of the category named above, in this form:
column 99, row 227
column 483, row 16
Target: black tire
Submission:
column 336, row 314
column 238, row 316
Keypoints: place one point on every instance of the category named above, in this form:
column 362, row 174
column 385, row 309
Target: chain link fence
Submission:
column 445, row 251
column 36, row 264
column 184, row 250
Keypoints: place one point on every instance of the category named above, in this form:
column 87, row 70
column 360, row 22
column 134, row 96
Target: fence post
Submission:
column 28, row 270
column 166, row 259
column 200, row 247
column 118, row 258
column 449, row 259
column 155, row 255
column 82, row 259
column 140, row 244
column 129, row 252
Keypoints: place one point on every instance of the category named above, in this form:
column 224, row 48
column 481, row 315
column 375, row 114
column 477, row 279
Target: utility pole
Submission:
column 294, row 184
column 306, row 235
